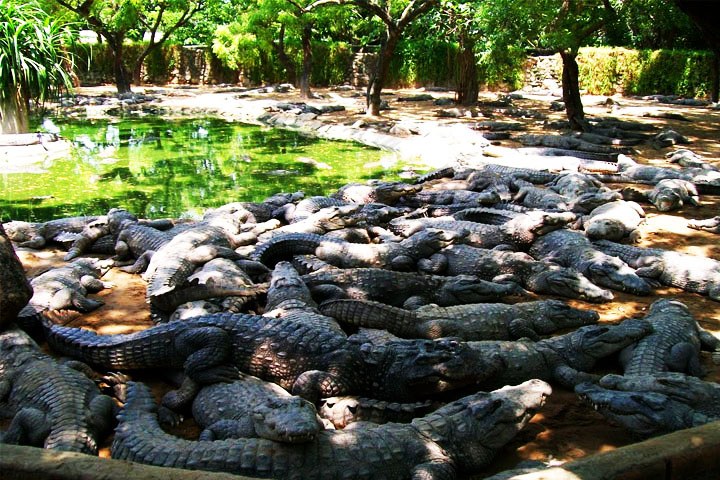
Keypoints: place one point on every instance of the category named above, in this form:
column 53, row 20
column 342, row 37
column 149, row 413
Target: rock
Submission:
column 15, row 290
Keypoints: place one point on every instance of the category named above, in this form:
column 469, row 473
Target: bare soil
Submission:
column 565, row 429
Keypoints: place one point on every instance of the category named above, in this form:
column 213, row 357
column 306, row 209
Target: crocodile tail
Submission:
column 370, row 314
column 285, row 246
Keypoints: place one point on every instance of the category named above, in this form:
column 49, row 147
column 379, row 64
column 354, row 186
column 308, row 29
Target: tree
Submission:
column 116, row 19
column 705, row 14
column 33, row 63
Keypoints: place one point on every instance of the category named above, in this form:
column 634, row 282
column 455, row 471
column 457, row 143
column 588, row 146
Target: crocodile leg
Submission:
column 29, row 427
column 208, row 351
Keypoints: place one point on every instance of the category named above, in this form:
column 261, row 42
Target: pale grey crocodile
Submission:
column 476, row 321
column 615, row 221
column 37, row 235
column 574, row 250
column 457, row 439
column 688, row 272
column 711, row 225
column 346, row 410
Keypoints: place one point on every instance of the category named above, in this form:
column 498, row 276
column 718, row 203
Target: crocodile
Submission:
column 649, row 405
column 574, row 250
column 249, row 407
column 403, row 289
column 37, row 235
column 320, row 222
column 566, row 359
column 15, row 289
column 479, row 321
column 706, row 181
column 531, row 175
column 519, row 267
column 216, row 236
column 518, row 232
column 674, row 345
column 711, row 225
column 673, row 194
column 52, row 405
column 375, row 191
column 574, row 184
column 691, row 273
column 65, row 288
column 343, row 411
column 531, row 196
column 306, row 359
column 218, row 278
column 614, row 221
column 401, row 255
column 449, row 197
column 292, row 212
column 458, row 439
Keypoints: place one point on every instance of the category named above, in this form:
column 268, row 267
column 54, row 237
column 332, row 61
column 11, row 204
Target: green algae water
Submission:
column 158, row 168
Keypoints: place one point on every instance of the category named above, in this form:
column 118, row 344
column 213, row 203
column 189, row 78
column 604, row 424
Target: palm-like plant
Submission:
column 33, row 64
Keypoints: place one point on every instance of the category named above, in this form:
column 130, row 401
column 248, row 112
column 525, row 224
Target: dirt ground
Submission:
column 565, row 429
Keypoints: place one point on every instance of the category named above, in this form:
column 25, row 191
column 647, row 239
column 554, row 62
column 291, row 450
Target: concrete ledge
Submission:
column 688, row 454
column 683, row 455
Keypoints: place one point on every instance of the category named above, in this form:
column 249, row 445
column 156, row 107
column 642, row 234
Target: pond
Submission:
column 159, row 168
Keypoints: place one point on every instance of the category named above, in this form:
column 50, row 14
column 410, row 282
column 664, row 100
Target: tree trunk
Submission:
column 122, row 76
column 571, row 90
column 307, row 61
column 715, row 89
column 383, row 66
column 468, row 86
column 283, row 58
column 14, row 114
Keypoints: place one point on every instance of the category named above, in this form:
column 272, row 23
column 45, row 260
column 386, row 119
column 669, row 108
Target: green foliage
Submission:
column 33, row 63
column 336, row 58
column 502, row 68
column 236, row 47
column 604, row 71
column 423, row 62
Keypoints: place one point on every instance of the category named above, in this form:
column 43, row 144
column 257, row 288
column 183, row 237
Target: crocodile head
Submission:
column 582, row 348
column 410, row 369
column 611, row 272
column 473, row 428
column 552, row 315
column 426, row 242
column 667, row 200
column 645, row 412
column 471, row 289
column 115, row 220
column 337, row 217
column 606, row 228
column 390, row 192
column 526, row 227
column 286, row 419
column 19, row 231
column 587, row 202
column 567, row 282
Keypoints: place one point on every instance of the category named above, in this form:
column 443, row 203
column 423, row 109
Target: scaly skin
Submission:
column 36, row 235
column 574, row 184
column 566, row 359
column 52, row 405
column 457, row 439
column 534, row 197
column 378, row 192
column 614, row 221
column 691, row 273
column 574, row 250
column 480, row 321
column 448, row 197
column 303, row 358
column 711, row 225
column 250, row 407
column 343, row 411
column 672, row 194
column 320, row 222
column 394, row 255
column 401, row 288
column 649, row 405
column 674, row 345
column 535, row 276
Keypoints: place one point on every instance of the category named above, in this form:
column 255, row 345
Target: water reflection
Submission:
column 157, row 168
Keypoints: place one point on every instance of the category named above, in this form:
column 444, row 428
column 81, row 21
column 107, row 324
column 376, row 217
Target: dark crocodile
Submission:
column 52, row 405
column 518, row 232
column 673, row 194
column 401, row 255
column 674, row 345
column 15, row 290
column 403, row 289
column 449, row 197
column 458, row 439
column 566, row 359
column 343, row 411
column 531, row 196
column 691, row 273
column 375, row 192
column 711, row 225
column 306, row 359
column 252, row 408
column 518, row 267
column 479, row 321
column 37, row 235
column 537, row 176
column 574, row 250
column 292, row 212
column 649, row 405
column 65, row 288
column 614, row 221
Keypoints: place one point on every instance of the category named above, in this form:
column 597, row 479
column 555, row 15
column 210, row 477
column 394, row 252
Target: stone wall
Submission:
column 542, row 72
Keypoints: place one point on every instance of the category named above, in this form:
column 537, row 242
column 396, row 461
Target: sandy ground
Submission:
column 565, row 429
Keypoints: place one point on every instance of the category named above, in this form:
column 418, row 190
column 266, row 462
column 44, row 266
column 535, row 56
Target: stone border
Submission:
column 685, row 454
